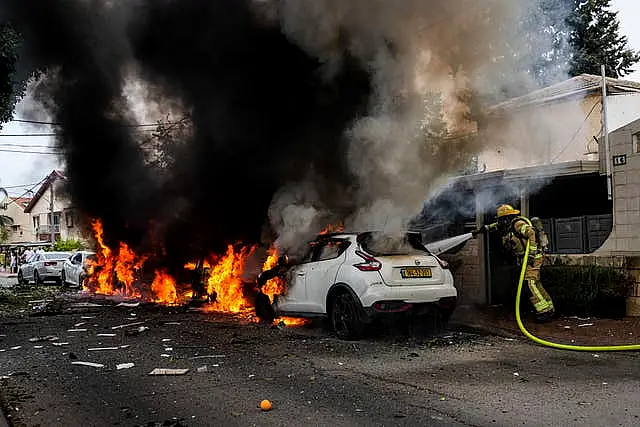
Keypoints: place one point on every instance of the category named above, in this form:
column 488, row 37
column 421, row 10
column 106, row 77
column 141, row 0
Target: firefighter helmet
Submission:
column 506, row 210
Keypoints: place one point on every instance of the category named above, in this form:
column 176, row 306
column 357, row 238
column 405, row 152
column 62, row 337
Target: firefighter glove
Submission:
column 481, row 230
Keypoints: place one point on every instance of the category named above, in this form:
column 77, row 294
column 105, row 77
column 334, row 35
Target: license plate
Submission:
column 415, row 272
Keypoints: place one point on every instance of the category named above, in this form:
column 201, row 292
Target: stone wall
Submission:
column 468, row 273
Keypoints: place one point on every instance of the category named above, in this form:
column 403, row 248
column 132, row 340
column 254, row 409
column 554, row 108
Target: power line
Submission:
column 6, row 150
column 6, row 187
column 24, row 145
column 28, row 134
column 30, row 190
column 135, row 125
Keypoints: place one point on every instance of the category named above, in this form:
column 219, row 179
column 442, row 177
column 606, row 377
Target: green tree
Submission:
column 595, row 39
column 5, row 223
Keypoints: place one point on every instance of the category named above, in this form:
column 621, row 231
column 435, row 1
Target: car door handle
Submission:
column 300, row 274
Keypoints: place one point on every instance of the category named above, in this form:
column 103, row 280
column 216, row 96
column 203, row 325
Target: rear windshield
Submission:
column 56, row 255
column 379, row 244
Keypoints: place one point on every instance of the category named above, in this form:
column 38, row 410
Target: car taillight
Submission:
column 444, row 264
column 369, row 264
column 50, row 263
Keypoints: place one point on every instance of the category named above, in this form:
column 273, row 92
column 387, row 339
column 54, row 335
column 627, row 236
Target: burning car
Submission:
column 353, row 278
column 75, row 268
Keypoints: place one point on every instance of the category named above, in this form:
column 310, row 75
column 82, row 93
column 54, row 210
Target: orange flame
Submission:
column 332, row 228
column 226, row 283
column 117, row 273
column 164, row 287
column 275, row 285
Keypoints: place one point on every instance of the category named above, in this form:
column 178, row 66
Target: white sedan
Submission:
column 352, row 278
column 42, row 267
column 74, row 269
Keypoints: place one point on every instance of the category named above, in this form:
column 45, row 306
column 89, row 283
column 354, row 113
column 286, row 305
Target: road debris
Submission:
column 16, row 347
column 40, row 339
column 166, row 371
column 77, row 330
column 38, row 346
column 165, row 355
column 124, row 365
column 88, row 317
column 59, row 344
column 77, row 325
column 105, row 335
column 103, row 348
column 86, row 304
column 126, row 325
column 202, row 368
column 128, row 304
column 208, row 356
column 515, row 374
column 582, row 325
column 91, row 364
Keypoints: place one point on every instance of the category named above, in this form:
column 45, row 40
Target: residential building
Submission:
column 556, row 124
column 52, row 215
column 20, row 231
column 546, row 157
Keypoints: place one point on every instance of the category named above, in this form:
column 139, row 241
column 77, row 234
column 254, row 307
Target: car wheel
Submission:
column 21, row 280
column 36, row 278
column 346, row 317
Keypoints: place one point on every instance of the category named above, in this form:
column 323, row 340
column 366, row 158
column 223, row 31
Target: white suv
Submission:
column 353, row 277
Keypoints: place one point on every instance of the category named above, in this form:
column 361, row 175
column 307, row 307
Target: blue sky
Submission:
column 18, row 169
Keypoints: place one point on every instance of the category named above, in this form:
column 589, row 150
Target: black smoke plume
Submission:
column 262, row 114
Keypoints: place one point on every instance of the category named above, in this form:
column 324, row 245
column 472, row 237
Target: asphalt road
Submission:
column 312, row 378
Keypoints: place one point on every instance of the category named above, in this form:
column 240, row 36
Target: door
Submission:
column 76, row 269
column 322, row 271
column 294, row 297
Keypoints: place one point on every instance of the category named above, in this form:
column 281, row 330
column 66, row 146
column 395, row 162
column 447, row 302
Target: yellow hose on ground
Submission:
column 553, row 344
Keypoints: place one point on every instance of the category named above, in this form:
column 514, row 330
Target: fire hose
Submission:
column 550, row 343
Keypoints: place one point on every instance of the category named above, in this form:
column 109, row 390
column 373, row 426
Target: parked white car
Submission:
column 41, row 267
column 352, row 278
column 74, row 269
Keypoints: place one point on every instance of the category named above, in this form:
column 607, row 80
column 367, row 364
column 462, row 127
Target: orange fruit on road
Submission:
column 265, row 405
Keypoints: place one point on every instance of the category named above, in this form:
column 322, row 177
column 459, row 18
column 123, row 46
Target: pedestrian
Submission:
column 13, row 264
column 516, row 231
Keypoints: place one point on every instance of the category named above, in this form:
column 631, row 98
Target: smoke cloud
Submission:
column 301, row 113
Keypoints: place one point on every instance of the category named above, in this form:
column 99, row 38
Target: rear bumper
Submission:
column 50, row 272
column 407, row 294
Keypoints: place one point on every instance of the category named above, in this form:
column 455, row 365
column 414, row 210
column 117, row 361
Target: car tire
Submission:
column 346, row 317
column 21, row 279
column 36, row 278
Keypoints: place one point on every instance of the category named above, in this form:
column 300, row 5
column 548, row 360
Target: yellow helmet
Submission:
column 505, row 210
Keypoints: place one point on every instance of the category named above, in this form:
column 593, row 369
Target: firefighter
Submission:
column 515, row 231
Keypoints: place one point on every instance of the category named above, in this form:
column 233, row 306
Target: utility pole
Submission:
column 605, row 132
column 51, row 226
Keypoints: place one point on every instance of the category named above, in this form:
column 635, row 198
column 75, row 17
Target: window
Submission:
column 330, row 249
column 77, row 259
column 69, row 219
column 36, row 222
column 636, row 142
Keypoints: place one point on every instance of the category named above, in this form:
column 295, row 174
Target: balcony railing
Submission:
column 48, row 229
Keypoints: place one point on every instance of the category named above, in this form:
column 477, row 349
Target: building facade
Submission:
column 20, row 231
column 51, row 213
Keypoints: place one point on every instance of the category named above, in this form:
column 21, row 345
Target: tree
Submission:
column 10, row 88
column 596, row 40
column 5, row 223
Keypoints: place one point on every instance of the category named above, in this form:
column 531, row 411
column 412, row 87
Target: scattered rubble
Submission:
column 166, row 371
column 91, row 364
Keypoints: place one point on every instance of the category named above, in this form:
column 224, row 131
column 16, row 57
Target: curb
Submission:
column 486, row 330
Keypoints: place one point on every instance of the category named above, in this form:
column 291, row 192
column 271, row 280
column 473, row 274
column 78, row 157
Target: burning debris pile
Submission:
column 217, row 283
